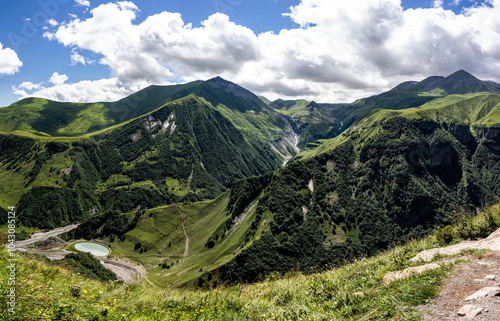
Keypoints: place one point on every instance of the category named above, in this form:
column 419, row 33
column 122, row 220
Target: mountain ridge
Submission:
column 459, row 82
column 396, row 161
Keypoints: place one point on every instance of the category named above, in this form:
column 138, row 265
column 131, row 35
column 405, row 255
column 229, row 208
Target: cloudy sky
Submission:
column 325, row 50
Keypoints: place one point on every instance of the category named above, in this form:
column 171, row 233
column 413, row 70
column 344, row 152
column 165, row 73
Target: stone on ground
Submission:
column 469, row 311
column 484, row 293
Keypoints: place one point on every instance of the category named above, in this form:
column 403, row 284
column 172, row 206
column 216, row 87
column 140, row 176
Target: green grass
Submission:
column 160, row 231
column 354, row 291
column 53, row 118
column 290, row 107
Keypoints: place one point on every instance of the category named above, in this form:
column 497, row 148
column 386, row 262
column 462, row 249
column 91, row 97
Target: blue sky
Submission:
column 316, row 49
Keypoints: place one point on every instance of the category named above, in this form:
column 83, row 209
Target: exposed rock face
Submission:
column 157, row 126
column 489, row 133
column 282, row 146
column 136, row 136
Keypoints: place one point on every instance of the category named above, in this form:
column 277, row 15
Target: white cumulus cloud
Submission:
column 28, row 85
column 57, row 79
column 84, row 3
column 52, row 22
column 437, row 3
column 83, row 91
column 9, row 61
column 340, row 50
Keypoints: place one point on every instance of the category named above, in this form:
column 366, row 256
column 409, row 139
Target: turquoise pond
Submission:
column 92, row 248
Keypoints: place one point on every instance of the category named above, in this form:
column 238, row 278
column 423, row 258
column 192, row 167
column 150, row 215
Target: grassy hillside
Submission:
column 160, row 145
column 353, row 291
column 376, row 185
column 43, row 117
column 193, row 240
column 185, row 150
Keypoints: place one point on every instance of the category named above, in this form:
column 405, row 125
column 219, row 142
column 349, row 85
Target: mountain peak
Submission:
column 217, row 79
column 460, row 75
column 462, row 82
column 459, row 82
column 218, row 90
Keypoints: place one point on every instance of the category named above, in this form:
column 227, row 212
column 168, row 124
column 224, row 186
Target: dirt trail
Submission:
column 186, row 248
column 125, row 271
column 466, row 279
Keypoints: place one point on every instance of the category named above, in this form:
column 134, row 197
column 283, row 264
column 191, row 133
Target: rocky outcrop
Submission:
column 492, row 242
column 282, row 146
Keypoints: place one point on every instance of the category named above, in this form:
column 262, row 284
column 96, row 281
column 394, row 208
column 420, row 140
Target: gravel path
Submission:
column 125, row 271
column 45, row 235
column 463, row 281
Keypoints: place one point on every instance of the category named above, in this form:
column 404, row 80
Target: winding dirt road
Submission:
column 45, row 235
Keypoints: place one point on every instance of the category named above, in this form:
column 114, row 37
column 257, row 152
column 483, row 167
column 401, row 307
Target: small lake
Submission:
column 92, row 248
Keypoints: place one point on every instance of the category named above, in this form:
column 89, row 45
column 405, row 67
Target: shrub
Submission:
column 445, row 235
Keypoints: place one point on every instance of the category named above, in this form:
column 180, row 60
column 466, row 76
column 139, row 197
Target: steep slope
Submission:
column 186, row 150
column 367, row 193
column 431, row 91
column 40, row 117
column 392, row 174
column 312, row 121
column 364, row 195
column 160, row 145
column 44, row 117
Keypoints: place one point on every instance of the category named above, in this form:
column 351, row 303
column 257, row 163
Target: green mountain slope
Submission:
column 186, row 150
column 45, row 117
column 408, row 160
column 393, row 176
column 360, row 197
column 161, row 145
column 477, row 110
column 323, row 121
